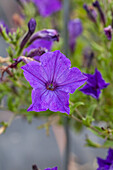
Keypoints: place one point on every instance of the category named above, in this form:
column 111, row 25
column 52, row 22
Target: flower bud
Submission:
column 97, row 5
column 31, row 29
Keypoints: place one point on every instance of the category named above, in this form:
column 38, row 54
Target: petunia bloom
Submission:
column 47, row 7
column 106, row 164
column 54, row 168
column 108, row 32
column 95, row 83
column 75, row 29
column 52, row 80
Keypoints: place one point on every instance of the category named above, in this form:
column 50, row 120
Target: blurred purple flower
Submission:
column 39, row 43
column 95, row 83
column 106, row 164
column 2, row 24
column 47, row 7
column 108, row 32
column 75, row 29
column 52, row 80
column 54, row 168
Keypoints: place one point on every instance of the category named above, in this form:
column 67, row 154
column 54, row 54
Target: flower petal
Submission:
column 43, row 99
column 88, row 90
column 35, row 74
column 70, row 80
column 60, row 102
column 37, row 103
column 54, row 64
column 101, row 82
column 110, row 155
column 47, row 7
column 103, row 164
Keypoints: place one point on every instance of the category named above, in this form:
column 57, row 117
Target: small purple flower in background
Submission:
column 95, row 83
column 52, row 80
column 47, row 7
column 75, row 29
column 108, row 32
column 2, row 24
column 106, row 164
column 54, row 168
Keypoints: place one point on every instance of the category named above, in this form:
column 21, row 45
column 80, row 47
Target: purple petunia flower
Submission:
column 95, row 83
column 106, row 164
column 75, row 29
column 54, row 168
column 4, row 26
column 108, row 32
column 47, row 7
column 52, row 80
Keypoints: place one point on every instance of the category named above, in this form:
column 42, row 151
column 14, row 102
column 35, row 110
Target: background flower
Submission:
column 106, row 164
column 75, row 29
column 47, row 7
column 95, row 83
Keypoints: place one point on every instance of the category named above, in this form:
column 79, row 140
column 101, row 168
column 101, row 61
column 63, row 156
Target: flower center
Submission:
column 50, row 86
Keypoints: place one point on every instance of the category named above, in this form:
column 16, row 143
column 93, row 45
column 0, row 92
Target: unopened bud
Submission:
column 31, row 29
column 90, row 12
column 97, row 5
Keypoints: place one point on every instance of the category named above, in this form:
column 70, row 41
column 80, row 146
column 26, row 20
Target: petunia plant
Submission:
column 37, row 79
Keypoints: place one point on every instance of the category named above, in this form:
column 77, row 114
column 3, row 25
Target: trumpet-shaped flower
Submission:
column 75, row 30
column 108, row 32
column 47, row 7
column 106, row 164
column 95, row 84
column 52, row 80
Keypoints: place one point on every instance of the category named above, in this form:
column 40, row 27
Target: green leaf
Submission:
column 92, row 144
column 73, row 107
column 91, row 110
